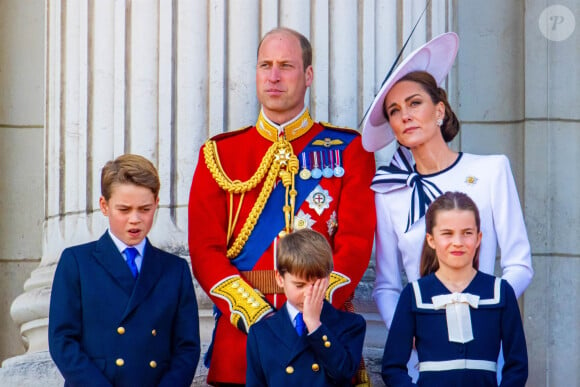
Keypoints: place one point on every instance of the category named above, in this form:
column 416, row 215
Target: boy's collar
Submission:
column 292, row 311
column 121, row 246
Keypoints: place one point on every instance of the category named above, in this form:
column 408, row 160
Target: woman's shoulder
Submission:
column 495, row 159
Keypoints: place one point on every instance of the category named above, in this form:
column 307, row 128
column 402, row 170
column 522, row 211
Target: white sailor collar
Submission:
column 488, row 288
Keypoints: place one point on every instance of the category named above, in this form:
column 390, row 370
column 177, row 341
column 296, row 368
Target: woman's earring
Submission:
column 439, row 122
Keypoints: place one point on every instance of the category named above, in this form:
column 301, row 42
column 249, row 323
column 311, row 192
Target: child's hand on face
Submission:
column 313, row 301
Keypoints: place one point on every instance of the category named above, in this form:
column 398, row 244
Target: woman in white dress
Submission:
column 411, row 108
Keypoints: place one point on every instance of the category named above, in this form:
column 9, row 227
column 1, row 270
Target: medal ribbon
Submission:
column 315, row 160
column 337, row 157
column 303, row 157
column 270, row 222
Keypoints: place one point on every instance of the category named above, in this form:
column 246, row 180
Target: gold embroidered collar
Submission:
column 292, row 129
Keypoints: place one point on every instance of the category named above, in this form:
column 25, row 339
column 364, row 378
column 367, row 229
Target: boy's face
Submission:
column 131, row 210
column 294, row 288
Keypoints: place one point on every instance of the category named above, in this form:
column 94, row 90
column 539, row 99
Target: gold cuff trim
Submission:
column 337, row 280
column 245, row 303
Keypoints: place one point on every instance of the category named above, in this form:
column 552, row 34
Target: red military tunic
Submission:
column 347, row 219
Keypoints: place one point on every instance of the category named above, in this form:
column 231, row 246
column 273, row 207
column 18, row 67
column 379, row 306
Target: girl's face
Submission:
column 455, row 239
column 413, row 115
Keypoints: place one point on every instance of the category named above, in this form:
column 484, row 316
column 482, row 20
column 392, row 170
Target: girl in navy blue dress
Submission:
column 456, row 316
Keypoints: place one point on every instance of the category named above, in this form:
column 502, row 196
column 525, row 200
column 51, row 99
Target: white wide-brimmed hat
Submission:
column 435, row 57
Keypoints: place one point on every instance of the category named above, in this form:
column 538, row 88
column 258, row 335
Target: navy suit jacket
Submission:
column 107, row 329
column 329, row 356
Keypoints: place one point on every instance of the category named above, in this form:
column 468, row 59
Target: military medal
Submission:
column 316, row 171
column 338, row 170
column 332, row 224
column 305, row 172
column 327, row 170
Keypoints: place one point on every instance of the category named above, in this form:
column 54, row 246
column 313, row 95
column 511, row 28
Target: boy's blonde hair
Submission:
column 129, row 169
column 304, row 253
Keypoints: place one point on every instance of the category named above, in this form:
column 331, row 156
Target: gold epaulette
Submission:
column 246, row 304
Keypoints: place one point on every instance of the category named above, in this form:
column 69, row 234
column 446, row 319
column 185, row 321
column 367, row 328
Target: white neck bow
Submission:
column 458, row 314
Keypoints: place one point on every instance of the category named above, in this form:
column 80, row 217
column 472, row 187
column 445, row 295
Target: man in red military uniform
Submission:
column 253, row 185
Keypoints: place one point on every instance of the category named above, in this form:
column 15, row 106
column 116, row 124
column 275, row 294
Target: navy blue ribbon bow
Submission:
column 401, row 173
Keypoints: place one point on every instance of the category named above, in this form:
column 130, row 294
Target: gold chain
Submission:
column 279, row 161
column 213, row 164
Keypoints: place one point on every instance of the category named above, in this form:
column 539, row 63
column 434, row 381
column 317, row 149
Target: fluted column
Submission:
column 157, row 78
column 115, row 83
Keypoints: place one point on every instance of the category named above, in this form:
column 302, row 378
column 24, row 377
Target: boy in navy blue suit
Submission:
column 123, row 312
column 307, row 341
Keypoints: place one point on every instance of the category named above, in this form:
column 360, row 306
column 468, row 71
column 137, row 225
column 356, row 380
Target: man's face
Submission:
column 281, row 80
column 131, row 211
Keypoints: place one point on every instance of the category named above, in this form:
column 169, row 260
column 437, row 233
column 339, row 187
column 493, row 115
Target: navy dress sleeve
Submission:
column 400, row 342
column 515, row 369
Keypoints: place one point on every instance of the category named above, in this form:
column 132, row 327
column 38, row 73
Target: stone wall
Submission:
column 21, row 156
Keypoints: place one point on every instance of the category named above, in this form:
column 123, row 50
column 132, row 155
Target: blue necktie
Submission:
column 131, row 253
column 299, row 324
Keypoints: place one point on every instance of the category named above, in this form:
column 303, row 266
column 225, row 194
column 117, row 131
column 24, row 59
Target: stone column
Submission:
column 157, row 77
column 115, row 84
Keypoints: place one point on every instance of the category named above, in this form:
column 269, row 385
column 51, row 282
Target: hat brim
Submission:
column 435, row 57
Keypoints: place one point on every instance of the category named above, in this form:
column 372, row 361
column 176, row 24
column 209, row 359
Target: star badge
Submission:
column 471, row 180
column 319, row 199
column 303, row 220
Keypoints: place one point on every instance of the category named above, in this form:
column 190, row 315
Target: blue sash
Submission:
column 271, row 220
